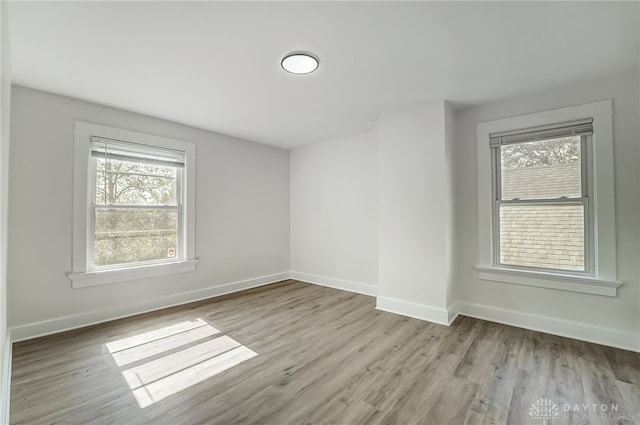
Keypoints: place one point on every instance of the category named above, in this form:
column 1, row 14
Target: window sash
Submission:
column 180, row 254
column 585, row 160
column 583, row 202
column 496, row 166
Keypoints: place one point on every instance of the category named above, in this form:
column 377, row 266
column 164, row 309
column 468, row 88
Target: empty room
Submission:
column 345, row 213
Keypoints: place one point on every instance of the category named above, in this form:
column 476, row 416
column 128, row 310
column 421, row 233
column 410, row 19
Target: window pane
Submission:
column 130, row 235
column 542, row 236
column 132, row 183
column 545, row 169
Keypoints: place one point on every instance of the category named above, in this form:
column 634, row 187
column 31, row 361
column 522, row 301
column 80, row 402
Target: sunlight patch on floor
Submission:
column 132, row 341
column 172, row 384
column 161, row 377
column 143, row 351
column 157, row 369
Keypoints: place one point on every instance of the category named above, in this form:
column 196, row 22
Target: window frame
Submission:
column 133, row 148
column 83, row 273
column 601, row 280
column 583, row 201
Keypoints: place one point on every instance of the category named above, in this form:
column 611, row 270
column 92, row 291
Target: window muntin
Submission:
column 541, row 204
column 136, row 213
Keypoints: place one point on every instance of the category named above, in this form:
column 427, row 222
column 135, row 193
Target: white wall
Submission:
column 607, row 320
column 242, row 217
column 5, row 97
column 413, row 212
column 334, row 213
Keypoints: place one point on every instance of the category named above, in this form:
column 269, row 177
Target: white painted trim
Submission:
column 61, row 324
column 453, row 312
column 415, row 310
column 81, row 280
column 565, row 328
column 603, row 195
column 83, row 131
column 5, row 397
column 91, row 129
column 584, row 284
column 345, row 285
column 390, row 305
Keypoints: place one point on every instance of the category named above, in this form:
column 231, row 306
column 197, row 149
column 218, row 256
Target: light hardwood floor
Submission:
column 295, row 353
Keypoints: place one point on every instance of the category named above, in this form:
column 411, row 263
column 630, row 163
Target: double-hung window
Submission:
column 541, row 192
column 546, row 208
column 133, row 206
column 136, row 213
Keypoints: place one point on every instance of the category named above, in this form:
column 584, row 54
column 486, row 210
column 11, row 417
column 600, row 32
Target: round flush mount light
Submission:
column 300, row 63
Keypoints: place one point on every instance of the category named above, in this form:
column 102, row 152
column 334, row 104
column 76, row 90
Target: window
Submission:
column 137, row 204
column 545, row 195
column 133, row 206
column 541, row 198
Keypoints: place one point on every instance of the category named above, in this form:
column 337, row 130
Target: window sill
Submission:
column 81, row 280
column 587, row 285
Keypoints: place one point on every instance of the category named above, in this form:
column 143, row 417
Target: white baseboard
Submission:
column 345, row 285
column 415, row 310
column 5, row 404
column 569, row 329
column 391, row 305
column 453, row 311
column 565, row 328
column 61, row 324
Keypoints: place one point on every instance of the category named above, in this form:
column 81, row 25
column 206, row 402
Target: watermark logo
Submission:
column 545, row 410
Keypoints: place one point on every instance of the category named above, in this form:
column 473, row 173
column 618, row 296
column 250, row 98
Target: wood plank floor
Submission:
column 295, row 353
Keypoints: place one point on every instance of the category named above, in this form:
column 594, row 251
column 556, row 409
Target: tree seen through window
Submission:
column 136, row 214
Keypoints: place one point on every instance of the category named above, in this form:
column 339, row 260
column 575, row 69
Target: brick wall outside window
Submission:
column 538, row 235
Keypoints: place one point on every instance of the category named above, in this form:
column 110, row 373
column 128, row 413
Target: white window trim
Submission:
column 604, row 239
column 79, row 276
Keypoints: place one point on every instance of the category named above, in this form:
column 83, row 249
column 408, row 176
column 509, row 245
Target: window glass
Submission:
column 134, row 183
column 130, row 235
column 542, row 236
column 545, row 169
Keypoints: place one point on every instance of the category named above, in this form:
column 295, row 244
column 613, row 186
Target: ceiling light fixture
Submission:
column 300, row 63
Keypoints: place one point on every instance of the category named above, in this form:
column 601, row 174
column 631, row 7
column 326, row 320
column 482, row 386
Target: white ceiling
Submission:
column 216, row 65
